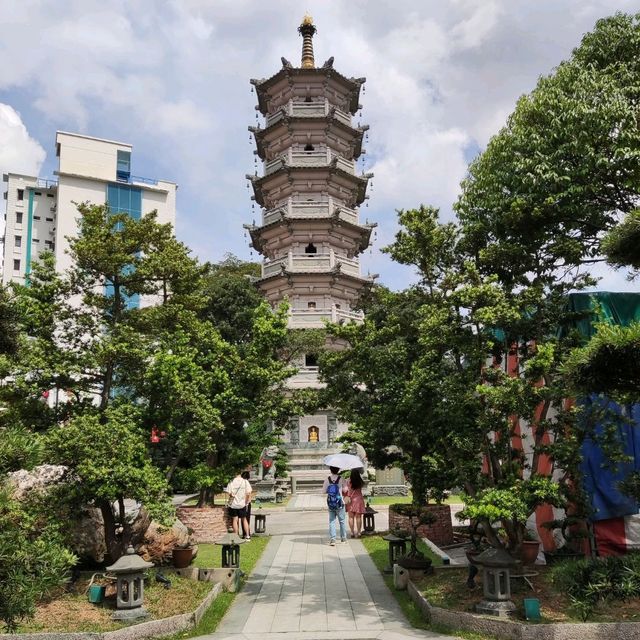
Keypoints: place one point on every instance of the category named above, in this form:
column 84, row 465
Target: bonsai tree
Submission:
column 417, row 516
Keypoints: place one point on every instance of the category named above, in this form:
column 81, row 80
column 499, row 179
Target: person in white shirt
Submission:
column 239, row 492
column 332, row 487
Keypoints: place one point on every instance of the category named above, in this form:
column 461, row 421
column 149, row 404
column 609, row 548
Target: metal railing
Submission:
column 45, row 183
column 316, row 318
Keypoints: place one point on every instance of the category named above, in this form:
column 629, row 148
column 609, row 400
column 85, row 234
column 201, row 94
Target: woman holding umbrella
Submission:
column 354, row 502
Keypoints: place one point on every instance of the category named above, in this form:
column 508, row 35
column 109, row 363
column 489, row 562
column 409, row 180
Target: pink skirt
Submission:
column 357, row 504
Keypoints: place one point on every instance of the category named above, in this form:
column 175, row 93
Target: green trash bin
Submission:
column 532, row 608
column 96, row 593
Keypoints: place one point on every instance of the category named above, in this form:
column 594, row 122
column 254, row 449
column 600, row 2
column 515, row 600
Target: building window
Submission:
column 123, row 171
column 310, row 248
column 19, row 217
column 38, row 193
column 36, row 241
column 308, row 147
column 49, row 195
column 18, row 241
column 20, row 194
column 36, row 217
column 49, row 219
column 311, row 360
column 16, row 265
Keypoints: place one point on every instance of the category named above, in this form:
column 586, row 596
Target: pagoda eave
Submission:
column 286, row 121
column 358, row 183
column 361, row 233
column 352, row 85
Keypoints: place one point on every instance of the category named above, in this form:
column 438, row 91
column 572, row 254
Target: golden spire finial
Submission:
column 307, row 29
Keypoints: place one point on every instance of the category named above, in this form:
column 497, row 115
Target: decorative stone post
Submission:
column 230, row 550
column 496, row 567
column 129, row 570
column 397, row 549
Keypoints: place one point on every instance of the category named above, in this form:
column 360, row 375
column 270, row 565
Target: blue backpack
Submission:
column 334, row 499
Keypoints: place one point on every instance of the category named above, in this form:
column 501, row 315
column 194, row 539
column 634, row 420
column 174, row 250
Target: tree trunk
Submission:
column 113, row 544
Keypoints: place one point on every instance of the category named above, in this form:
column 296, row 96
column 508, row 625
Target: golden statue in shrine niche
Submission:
column 314, row 434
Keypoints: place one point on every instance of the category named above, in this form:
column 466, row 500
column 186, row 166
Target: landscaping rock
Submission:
column 39, row 479
column 158, row 542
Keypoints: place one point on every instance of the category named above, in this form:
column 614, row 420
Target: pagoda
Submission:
column 310, row 234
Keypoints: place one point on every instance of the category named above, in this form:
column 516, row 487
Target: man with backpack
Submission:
column 333, row 488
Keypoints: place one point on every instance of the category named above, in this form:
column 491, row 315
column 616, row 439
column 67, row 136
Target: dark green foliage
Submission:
column 596, row 582
column 608, row 364
column 33, row 559
column 8, row 324
column 19, row 449
column 622, row 244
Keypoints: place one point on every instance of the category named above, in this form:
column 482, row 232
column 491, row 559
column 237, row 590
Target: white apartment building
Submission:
column 41, row 214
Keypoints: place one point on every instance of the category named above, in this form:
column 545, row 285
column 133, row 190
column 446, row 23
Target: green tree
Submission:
column 109, row 462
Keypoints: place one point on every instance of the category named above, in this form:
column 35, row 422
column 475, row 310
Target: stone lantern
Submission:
column 397, row 549
column 496, row 567
column 260, row 523
column 230, row 550
column 129, row 570
column 369, row 519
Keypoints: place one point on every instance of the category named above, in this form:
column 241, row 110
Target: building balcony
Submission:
column 320, row 158
column 311, row 263
column 310, row 210
column 297, row 109
column 316, row 318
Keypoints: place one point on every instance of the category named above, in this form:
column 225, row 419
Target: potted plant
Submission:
column 529, row 548
column 182, row 555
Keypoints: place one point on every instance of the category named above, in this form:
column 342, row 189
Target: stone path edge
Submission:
column 148, row 629
column 463, row 621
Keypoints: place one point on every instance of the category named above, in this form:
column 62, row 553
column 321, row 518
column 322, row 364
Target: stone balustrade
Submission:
column 311, row 263
column 310, row 210
column 315, row 158
column 298, row 109
column 316, row 318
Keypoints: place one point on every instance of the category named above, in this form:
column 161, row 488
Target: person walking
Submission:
column 333, row 488
column 354, row 502
column 239, row 492
column 246, row 531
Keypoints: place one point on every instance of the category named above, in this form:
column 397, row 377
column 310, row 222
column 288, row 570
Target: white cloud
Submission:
column 19, row 152
column 172, row 79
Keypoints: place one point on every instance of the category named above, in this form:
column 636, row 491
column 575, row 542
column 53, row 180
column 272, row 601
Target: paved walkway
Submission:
column 304, row 589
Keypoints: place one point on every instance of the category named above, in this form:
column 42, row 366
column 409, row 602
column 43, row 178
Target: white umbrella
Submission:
column 343, row 461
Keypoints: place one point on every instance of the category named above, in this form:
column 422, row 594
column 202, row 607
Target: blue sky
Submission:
column 172, row 78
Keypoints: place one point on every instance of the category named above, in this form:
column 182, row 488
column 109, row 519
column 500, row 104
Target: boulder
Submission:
column 158, row 542
column 38, row 479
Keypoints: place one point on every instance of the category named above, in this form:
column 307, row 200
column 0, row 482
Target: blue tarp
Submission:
column 601, row 483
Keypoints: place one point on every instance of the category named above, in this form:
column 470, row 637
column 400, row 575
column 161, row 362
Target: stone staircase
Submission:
column 305, row 465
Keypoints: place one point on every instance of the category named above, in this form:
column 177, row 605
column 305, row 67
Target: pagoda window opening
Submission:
column 311, row 248
column 311, row 305
column 308, row 99
column 310, row 360
column 309, row 147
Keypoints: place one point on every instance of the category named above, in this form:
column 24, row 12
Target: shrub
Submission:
column 33, row 560
column 19, row 449
column 590, row 583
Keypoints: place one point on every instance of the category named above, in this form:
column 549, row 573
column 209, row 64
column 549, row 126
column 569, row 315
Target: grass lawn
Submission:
column 380, row 500
column 378, row 550
column 209, row 556
column 72, row 612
